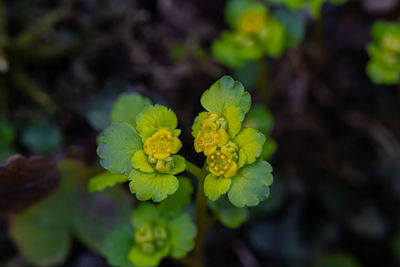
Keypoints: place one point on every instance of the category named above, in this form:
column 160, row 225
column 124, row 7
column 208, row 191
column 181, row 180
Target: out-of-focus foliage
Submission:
column 156, row 232
column 336, row 259
column 44, row 231
column 314, row 6
column 384, row 52
column 7, row 138
column 42, row 137
column 24, row 181
column 254, row 33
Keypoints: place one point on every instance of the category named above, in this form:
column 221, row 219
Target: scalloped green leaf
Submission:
column 144, row 213
column 155, row 186
column 251, row 184
column 138, row 258
column 227, row 214
column 234, row 117
column 154, row 117
column 224, row 93
column 250, row 142
column 140, row 161
column 215, row 186
column 183, row 232
column 117, row 246
column 117, row 145
column 106, row 179
column 180, row 199
column 127, row 107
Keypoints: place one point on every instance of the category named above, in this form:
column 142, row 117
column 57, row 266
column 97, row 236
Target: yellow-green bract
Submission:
column 232, row 151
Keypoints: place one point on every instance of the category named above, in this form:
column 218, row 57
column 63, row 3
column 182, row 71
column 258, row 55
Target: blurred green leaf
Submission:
column 117, row 246
column 7, row 134
column 259, row 117
column 295, row 25
column 182, row 197
column 42, row 137
column 247, row 74
column 127, row 107
column 43, row 231
column 227, row 214
column 104, row 180
column 336, row 259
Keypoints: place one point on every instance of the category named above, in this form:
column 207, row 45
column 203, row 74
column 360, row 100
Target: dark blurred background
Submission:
column 336, row 194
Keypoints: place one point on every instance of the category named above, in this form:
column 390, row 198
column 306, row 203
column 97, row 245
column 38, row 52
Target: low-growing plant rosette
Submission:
column 156, row 232
column 232, row 151
column 254, row 33
column 384, row 52
column 145, row 152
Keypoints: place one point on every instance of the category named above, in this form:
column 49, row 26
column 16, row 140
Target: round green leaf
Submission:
column 127, row 107
column 215, row 186
column 140, row 161
column 117, row 246
column 224, row 93
column 251, row 184
column 143, row 214
column 138, row 258
column 250, row 142
column 181, row 198
column 182, row 231
column 155, row 186
column 106, row 179
column 42, row 137
column 154, row 117
column 118, row 143
column 227, row 214
column 234, row 117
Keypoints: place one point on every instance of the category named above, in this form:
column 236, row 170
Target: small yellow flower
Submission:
column 222, row 163
column 210, row 137
column 162, row 144
column 252, row 22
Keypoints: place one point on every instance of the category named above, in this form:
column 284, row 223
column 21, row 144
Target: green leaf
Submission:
column 179, row 164
column 215, row 186
column 92, row 221
column 154, row 117
column 118, row 143
column 117, row 246
column 7, row 133
column 250, row 141
column 269, row 149
column 260, row 118
column 336, row 259
column 227, row 214
column 250, row 184
column 181, row 198
column 127, row 107
column 380, row 75
column 224, row 93
column 144, row 213
column 138, row 258
column 235, row 9
column 140, row 161
column 155, row 186
column 234, row 118
column 42, row 137
column 197, row 123
column 272, row 38
column 104, row 180
column 41, row 232
column 295, row 25
column 182, row 232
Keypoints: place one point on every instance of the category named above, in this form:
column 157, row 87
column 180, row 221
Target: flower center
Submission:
column 220, row 163
column 252, row 22
column 160, row 143
column 150, row 237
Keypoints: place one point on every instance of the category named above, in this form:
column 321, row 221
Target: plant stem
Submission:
column 197, row 257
